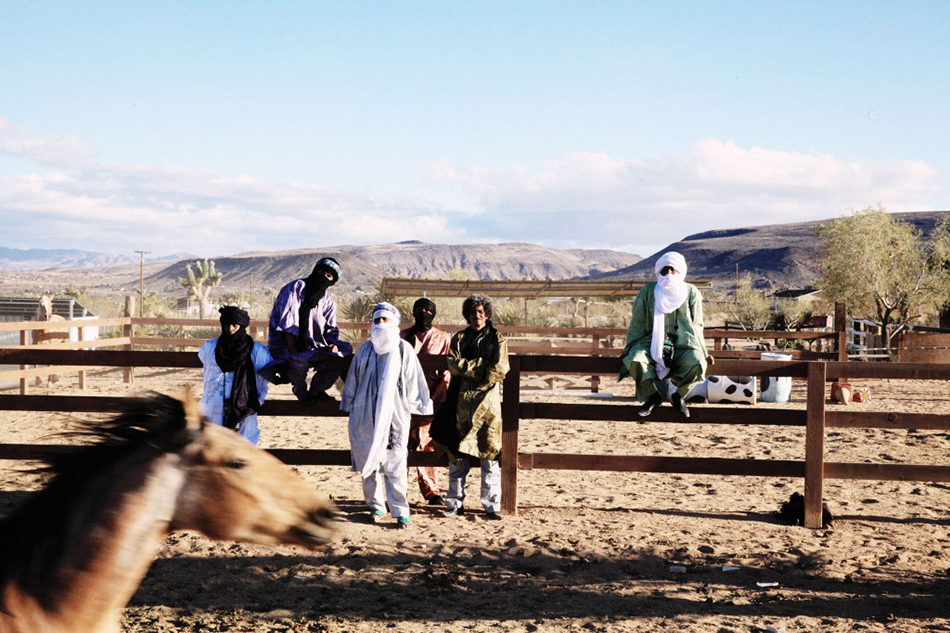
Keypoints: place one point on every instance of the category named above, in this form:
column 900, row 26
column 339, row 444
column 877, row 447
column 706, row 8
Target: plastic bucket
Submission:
column 776, row 388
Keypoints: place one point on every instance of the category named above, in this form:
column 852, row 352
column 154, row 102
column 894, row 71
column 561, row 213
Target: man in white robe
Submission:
column 384, row 388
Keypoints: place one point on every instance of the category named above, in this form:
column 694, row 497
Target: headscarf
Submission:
column 423, row 321
column 384, row 337
column 315, row 289
column 670, row 293
column 232, row 353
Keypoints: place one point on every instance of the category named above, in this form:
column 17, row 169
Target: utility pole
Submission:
column 142, row 283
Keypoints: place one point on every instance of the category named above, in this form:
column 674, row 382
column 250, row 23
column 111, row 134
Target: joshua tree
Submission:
column 200, row 282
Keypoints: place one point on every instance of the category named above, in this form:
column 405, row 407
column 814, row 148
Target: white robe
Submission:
column 217, row 387
column 359, row 397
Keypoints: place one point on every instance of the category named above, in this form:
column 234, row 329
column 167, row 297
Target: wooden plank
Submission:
column 294, row 456
column 98, row 358
column 723, row 333
column 910, row 371
column 61, row 326
column 858, row 419
column 102, row 342
column 663, row 464
column 815, row 445
column 841, row 329
column 511, row 391
column 627, row 412
column 590, row 366
column 887, row 472
column 796, row 354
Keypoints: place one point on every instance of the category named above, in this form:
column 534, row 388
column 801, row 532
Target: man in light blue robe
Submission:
column 383, row 389
column 233, row 349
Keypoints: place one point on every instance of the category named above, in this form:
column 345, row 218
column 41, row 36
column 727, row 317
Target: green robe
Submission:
column 478, row 412
column 684, row 326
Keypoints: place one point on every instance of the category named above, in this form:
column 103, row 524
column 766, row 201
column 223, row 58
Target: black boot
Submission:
column 679, row 404
column 651, row 403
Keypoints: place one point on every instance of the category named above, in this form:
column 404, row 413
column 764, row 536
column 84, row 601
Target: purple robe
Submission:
column 285, row 315
column 284, row 318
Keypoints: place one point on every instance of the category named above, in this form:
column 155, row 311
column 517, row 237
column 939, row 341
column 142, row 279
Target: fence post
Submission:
column 510, row 407
column 841, row 327
column 128, row 374
column 595, row 380
column 24, row 381
column 82, row 372
column 815, row 444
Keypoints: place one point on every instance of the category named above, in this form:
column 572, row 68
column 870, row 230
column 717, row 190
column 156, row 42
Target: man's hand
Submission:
column 334, row 349
column 710, row 361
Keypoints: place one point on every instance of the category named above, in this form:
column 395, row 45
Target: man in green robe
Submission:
column 469, row 423
column 665, row 337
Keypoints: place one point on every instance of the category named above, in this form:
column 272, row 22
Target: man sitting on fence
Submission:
column 665, row 339
column 430, row 340
column 233, row 390
column 384, row 387
column 303, row 333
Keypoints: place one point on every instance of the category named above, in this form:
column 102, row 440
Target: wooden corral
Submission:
column 924, row 347
column 812, row 467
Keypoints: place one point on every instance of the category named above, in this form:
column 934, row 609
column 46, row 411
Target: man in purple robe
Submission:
column 303, row 334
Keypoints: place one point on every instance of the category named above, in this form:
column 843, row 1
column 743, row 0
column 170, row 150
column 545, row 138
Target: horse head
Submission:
column 235, row 491
column 44, row 308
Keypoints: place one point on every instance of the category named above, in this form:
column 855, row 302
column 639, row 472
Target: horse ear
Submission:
column 191, row 419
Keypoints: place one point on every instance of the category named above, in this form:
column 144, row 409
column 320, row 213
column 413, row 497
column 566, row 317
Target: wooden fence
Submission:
column 813, row 467
column 523, row 340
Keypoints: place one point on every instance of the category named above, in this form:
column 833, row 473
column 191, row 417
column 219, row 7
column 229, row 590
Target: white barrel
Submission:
column 775, row 388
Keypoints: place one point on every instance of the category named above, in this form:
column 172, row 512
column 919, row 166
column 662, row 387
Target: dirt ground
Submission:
column 588, row 551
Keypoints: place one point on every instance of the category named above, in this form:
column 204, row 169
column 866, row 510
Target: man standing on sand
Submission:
column 431, row 341
column 665, row 339
column 469, row 424
column 303, row 334
column 384, row 387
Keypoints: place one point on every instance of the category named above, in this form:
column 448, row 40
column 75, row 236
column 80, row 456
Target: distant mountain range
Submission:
column 365, row 266
column 46, row 258
column 784, row 254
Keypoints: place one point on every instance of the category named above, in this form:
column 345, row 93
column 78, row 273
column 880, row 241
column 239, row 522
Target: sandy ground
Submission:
column 588, row 551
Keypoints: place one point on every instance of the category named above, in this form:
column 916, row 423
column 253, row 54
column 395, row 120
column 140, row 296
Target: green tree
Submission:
column 882, row 268
column 751, row 307
column 200, row 281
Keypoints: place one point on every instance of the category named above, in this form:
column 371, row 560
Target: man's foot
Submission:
column 492, row 516
column 454, row 512
column 403, row 523
column 376, row 516
column 435, row 500
column 651, row 403
column 679, row 404
column 320, row 396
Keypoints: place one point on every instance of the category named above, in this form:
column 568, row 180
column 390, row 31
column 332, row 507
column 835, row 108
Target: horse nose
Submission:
column 323, row 515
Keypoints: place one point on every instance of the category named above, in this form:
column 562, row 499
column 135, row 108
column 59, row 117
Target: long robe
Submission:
column 360, row 392
column 435, row 342
column 684, row 326
column 478, row 362
column 218, row 384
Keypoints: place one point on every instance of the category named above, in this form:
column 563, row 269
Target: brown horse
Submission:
column 44, row 312
column 74, row 553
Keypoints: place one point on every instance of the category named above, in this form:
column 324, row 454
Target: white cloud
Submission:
column 49, row 151
column 583, row 199
column 591, row 199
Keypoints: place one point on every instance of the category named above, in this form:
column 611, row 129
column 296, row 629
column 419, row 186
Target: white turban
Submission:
column 385, row 336
column 670, row 293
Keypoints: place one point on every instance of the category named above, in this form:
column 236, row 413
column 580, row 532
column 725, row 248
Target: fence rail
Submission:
column 813, row 467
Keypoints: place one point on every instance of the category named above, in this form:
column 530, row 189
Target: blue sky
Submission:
column 222, row 127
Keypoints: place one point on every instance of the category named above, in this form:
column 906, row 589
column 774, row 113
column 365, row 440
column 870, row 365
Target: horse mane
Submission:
column 33, row 538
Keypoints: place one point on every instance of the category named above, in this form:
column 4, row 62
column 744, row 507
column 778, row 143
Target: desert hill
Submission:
column 365, row 266
column 784, row 254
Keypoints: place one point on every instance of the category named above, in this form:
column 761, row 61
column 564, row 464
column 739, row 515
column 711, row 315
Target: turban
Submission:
column 329, row 264
column 234, row 314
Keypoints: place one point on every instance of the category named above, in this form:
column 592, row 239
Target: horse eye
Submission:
column 236, row 464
